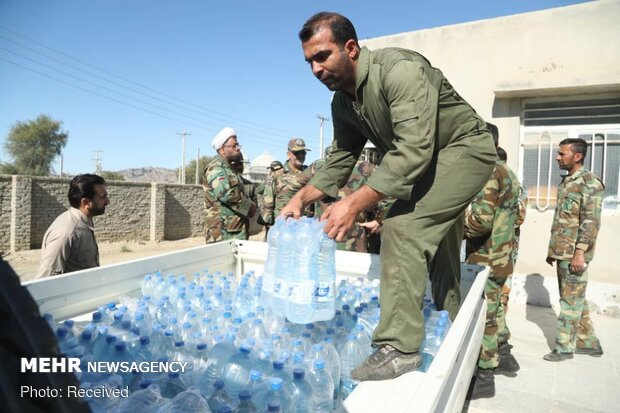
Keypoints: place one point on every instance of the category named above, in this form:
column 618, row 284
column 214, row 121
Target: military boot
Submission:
column 508, row 365
column 482, row 385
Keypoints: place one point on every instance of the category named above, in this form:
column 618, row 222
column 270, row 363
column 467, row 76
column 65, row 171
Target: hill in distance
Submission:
column 150, row 174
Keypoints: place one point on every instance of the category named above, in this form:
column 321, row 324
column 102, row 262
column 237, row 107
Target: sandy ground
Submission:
column 26, row 263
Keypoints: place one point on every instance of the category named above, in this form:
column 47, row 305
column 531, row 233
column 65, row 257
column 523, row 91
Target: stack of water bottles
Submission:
column 242, row 357
column 436, row 326
column 300, row 271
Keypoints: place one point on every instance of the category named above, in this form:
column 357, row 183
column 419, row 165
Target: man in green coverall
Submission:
column 437, row 154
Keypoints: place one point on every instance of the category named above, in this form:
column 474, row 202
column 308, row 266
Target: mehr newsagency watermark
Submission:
column 72, row 365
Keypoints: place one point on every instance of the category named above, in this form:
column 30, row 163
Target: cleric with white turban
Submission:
column 221, row 138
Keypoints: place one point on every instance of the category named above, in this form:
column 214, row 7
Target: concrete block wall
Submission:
column 184, row 211
column 128, row 217
column 48, row 199
column 137, row 211
column 6, row 185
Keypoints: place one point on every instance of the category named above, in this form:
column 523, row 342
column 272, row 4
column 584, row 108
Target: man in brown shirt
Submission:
column 69, row 244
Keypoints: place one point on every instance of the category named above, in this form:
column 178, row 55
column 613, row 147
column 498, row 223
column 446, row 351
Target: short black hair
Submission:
column 83, row 186
column 501, row 154
column 578, row 145
column 495, row 132
column 341, row 27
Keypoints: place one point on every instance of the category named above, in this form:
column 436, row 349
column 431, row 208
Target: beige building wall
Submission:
column 499, row 64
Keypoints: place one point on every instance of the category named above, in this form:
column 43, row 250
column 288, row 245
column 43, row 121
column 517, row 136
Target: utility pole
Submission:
column 322, row 119
column 183, row 135
column 97, row 159
column 197, row 164
column 61, row 164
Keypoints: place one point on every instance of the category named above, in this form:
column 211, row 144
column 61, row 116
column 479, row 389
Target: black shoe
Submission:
column 482, row 385
column 557, row 356
column 508, row 365
column 504, row 348
column 594, row 351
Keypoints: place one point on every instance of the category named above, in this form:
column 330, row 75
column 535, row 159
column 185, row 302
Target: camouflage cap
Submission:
column 297, row 144
column 276, row 166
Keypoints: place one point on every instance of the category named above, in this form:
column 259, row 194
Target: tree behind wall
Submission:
column 34, row 145
column 190, row 169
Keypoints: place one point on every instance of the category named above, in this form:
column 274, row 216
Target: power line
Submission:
column 226, row 118
column 252, row 137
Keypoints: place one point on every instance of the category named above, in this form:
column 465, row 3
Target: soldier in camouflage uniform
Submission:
column 575, row 227
column 228, row 208
column 356, row 240
column 277, row 195
column 266, row 201
column 490, row 227
column 503, row 332
column 296, row 154
column 250, row 189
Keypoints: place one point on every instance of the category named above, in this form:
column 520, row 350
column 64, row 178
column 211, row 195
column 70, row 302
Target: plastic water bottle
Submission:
column 188, row 401
column 325, row 300
column 273, row 407
column 172, row 384
column 322, row 386
column 258, row 388
column 86, row 340
column 351, row 356
column 266, row 298
column 236, row 372
column 303, row 279
column 431, row 344
column 219, row 355
column 66, row 341
column 146, row 285
column 301, row 393
column 278, row 394
column 122, row 355
column 278, row 371
column 363, row 339
column 219, row 398
column 332, row 361
column 284, row 267
column 245, row 403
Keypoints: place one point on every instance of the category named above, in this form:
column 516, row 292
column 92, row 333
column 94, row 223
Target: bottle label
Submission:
column 268, row 285
column 324, row 291
column 302, row 292
column 280, row 288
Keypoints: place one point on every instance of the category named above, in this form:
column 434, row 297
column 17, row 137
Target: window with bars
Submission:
column 546, row 124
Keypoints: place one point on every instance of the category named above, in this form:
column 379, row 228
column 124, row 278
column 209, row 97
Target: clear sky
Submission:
column 124, row 76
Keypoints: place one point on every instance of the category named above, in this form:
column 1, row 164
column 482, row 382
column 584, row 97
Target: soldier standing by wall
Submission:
column 490, row 228
column 575, row 227
column 228, row 208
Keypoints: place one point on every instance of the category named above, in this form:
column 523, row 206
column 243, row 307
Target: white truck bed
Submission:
column 441, row 389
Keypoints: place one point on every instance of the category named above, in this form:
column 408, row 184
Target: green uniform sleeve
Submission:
column 413, row 110
column 589, row 214
column 522, row 206
column 479, row 215
column 268, row 202
column 227, row 192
